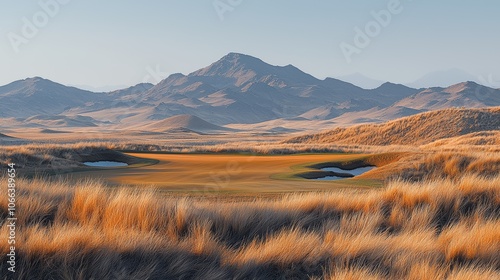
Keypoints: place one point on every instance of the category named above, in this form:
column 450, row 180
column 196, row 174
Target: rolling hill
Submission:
column 185, row 122
column 62, row 121
column 415, row 130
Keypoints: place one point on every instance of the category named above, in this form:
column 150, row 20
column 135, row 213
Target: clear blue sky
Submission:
column 115, row 42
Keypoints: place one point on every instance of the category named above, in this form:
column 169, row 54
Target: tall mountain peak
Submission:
column 234, row 55
column 464, row 86
column 389, row 85
column 36, row 81
column 241, row 69
column 233, row 63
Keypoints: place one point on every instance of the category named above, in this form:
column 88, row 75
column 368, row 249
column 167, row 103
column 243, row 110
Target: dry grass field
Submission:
column 437, row 229
column 439, row 220
column 200, row 208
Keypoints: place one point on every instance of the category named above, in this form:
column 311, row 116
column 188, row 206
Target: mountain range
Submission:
column 237, row 89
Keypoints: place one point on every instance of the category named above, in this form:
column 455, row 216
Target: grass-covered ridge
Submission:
column 419, row 129
column 49, row 159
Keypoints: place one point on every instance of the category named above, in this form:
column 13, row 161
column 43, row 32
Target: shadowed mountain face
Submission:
column 238, row 89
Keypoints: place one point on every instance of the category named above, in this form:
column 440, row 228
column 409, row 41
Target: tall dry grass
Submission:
column 38, row 155
column 439, row 229
column 484, row 141
column 445, row 164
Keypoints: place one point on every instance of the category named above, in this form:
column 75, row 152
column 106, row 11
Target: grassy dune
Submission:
column 438, row 229
column 440, row 164
column 42, row 155
column 477, row 141
column 419, row 129
column 52, row 159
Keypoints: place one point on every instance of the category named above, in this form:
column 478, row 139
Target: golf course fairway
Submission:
column 230, row 173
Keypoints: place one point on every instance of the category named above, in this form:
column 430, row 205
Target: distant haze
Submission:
column 444, row 78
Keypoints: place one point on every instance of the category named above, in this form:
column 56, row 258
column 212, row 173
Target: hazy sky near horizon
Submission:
column 98, row 43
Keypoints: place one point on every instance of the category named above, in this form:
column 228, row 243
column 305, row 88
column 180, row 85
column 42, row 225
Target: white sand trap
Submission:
column 105, row 164
column 354, row 172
